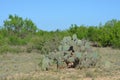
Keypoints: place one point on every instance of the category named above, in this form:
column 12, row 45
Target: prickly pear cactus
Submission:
column 45, row 63
column 72, row 53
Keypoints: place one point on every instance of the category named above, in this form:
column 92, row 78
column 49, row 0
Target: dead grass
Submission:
column 24, row 66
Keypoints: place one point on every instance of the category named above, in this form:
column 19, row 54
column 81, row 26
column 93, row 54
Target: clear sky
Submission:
column 60, row 14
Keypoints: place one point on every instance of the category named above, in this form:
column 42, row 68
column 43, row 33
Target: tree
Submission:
column 92, row 33
column 82, row 32
column 73, row 29
column 15, row 25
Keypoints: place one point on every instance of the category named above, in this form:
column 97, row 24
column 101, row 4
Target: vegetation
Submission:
column 71, row 53
column 20, row 32
column 52, row 48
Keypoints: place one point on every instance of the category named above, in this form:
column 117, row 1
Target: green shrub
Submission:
column 43, row 44
column 13, row 40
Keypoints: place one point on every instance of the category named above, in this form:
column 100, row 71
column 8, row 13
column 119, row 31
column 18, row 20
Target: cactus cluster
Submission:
column 72, row 53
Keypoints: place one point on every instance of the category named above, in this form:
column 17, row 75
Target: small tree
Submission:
column 16, row 25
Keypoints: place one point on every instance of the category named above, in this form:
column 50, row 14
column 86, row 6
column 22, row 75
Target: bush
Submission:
column 14, row 40
column 43, row 44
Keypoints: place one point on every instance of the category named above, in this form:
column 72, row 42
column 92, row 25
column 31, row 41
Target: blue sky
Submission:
column 60, row 14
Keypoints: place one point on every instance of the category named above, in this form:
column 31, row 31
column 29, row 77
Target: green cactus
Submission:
column 71, row 59
column 45, row 63
column 74, row 37
column 79, row 55
column 51, row 55
column 60, row 48
column 79, row 43
column 68, row 38
column 65, row 47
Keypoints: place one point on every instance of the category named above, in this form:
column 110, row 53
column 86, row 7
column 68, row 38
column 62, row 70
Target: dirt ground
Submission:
column 24, row 66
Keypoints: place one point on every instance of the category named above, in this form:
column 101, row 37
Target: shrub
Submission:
column 14, row 40
column 43, row 44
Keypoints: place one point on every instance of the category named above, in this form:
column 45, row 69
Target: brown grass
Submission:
column 24, row 66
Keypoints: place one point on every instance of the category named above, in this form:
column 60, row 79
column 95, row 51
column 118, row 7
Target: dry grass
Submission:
column 24, row 66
